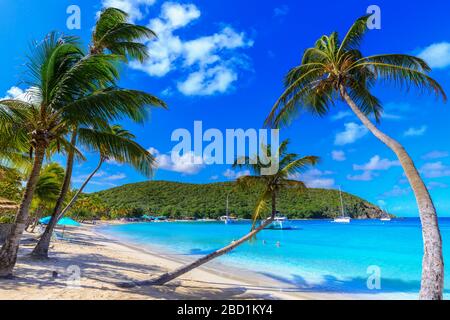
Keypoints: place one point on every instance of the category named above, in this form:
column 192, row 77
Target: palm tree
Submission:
column 67, row 89
column 272, row 185
column 47, row 189
column 113, row 143
column 114, row 35
column 334, row 69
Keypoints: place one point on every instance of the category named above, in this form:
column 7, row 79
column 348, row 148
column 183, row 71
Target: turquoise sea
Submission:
column 317, row 256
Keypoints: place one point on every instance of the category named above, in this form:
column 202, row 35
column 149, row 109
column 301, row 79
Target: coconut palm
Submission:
column 290, row 165
column 112, row 143
column 47, row 189
column 111, row 34
column 336, row 69
column 67, row 89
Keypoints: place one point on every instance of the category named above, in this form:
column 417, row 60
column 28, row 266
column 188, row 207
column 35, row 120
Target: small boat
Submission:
column 280, row 223
column 227, row 219
column 385, row 216
column 343, row 218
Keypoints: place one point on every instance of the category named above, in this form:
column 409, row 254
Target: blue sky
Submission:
column 223, row 63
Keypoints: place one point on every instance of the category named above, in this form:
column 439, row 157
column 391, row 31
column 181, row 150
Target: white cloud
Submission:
column 281, row 11
column 338, row 155
column 397, row 192
column 437, row 55
column 212, row 61
column 414, row 132
column 376, row 163
column 101, row 178
column 315, row 178
column 369, row 169
column 113, row 177
column 28, row 95
column 208, row 81
column 435, row 154
column 435, row 170
column 136, row 9
column 341, row 115
column 214, row 177
column 188, row 163
column 436, row 185
column 233, row 175
column 364, row 176
column 351, row 133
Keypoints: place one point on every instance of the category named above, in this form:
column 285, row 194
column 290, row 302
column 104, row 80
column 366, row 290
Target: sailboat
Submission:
column 343, row 218
column 227, row 219
column 385, row 217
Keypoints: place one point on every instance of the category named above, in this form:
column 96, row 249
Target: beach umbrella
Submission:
column 65, row 221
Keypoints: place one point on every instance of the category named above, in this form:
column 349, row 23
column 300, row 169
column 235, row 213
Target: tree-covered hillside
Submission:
column 209, row 201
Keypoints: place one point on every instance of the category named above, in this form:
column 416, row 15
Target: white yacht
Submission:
column 343, row 218
column 280, row 223
column 227, row 219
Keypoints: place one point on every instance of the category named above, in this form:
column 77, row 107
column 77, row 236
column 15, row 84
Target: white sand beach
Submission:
column 103, row 262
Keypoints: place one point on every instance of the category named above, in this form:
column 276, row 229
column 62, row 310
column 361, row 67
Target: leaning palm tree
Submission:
column 47, row 189
column 112, row 34
column 290, row 165
column 67, row 89
column 112, row 143
column 335, row 69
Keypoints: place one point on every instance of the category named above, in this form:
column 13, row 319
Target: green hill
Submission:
column 209, row 200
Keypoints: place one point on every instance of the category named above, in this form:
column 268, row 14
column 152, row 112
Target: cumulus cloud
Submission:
column 341, row 115
column 281, row 11
column 17, row 93
column 212, row 62
column 435, row 170
column 435, row 154
column 397, row 192
column 351, row 133
column 369, row 169
column 437, row 55
column 415, row 132
column 338, row 155
column 233, row 175
column 136, row 9
column 188, row 163
column 315, row 178
column 101, row 178
column 436, row 185
column 376, row 163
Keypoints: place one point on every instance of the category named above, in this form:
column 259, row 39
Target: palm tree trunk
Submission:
column 38, row 214
column 432, row 282
column 9, row 250
column 77, row 194
column 41, row 248
column 169, row 276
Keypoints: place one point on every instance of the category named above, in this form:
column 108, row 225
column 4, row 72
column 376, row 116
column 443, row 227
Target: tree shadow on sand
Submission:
column 356, row 285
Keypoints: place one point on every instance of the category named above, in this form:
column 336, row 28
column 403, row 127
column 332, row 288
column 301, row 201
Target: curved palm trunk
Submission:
column 41, row 249
column 432, row 282
column 169, row 276
column 38, row 214
column 77, row 194
column 8, row 252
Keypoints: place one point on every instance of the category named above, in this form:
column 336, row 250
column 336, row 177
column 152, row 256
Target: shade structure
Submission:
column 65, row 221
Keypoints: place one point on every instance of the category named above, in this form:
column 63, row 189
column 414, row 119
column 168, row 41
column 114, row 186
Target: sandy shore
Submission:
column 102, row 261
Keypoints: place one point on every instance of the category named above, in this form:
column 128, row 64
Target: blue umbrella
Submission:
column 65, row 221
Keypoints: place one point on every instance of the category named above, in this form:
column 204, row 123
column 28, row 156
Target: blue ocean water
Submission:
column 317, row 256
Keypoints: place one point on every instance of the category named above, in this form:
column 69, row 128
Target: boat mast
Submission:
column 342, row 202
column 227, row 206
